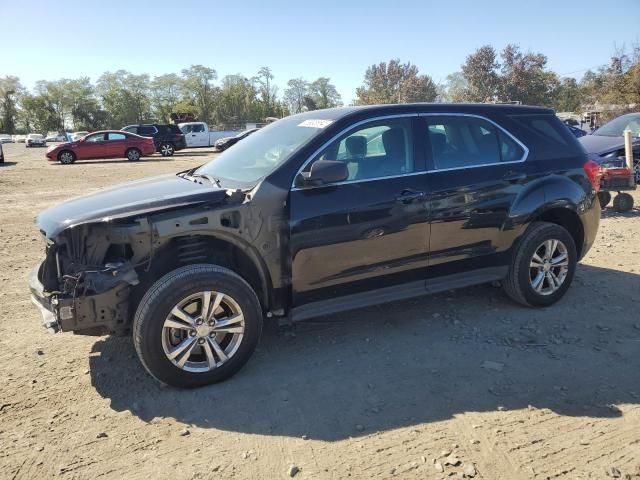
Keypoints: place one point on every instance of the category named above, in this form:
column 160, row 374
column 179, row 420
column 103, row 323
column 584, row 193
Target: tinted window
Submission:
column 131, row 129
column 379, row 149
column 117, row 136
column 197, row 128
column 546, row 136
column 463, row 141
column 146, row 130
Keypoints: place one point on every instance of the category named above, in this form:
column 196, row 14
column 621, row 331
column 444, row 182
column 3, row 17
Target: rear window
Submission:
column 546, row 136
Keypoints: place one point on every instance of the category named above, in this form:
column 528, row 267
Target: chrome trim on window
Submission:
column 335, row 137
column 522, row 145
column 408, row 115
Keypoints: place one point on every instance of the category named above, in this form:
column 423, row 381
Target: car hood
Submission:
column 128, row 199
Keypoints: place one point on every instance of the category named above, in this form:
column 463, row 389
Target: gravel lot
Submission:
column 463, row 383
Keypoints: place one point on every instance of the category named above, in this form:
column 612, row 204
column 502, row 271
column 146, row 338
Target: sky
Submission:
column 337, row 39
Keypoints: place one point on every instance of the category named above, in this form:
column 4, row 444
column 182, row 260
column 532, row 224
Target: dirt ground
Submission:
column 463, row 383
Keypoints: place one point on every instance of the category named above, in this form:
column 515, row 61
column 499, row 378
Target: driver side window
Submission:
column 98, row 137
column 374, row 150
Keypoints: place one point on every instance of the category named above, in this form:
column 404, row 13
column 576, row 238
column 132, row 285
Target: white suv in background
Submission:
column 35, row 140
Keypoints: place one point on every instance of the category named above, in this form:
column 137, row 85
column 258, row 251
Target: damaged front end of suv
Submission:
column 95, row 253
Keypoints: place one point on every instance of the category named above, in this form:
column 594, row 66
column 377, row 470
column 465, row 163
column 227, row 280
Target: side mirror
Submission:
column 324, row 172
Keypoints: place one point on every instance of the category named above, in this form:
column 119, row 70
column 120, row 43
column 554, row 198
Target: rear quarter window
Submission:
column 546, row 136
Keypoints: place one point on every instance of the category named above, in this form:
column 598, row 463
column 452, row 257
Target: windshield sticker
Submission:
column 316, row 123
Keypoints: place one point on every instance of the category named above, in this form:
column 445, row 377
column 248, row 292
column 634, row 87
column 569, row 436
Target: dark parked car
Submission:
column 317, row 213
column 226, row 142
column 167, row 138
column 606, row 144
column 104, row 144
column 1, row 154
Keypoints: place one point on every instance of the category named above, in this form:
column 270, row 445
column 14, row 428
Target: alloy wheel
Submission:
column 549, row 267
column 203, row 331
column 166, row 150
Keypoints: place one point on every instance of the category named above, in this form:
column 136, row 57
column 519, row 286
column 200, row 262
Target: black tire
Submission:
column 605, row 198
column 133, row 154
column 167, row 149
column 518, row 283
column 623, row 202
column 66, row 157
column 167, row 293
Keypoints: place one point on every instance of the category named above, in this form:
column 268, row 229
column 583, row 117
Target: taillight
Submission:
column 592, row 169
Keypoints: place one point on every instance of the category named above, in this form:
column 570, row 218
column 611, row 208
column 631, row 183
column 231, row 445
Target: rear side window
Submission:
column 146, row 130
column 547, row 137
column 465, row 141
column 116, row 136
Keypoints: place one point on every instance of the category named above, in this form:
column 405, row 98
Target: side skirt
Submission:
column 398, row 292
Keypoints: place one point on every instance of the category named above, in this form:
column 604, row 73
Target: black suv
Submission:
column 317, row 213
column 167, row 138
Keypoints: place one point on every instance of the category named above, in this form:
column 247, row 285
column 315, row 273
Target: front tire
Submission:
column 197, row 325
column 167, row 150
column 66, row 157
column 543, row 265
column 133, row 154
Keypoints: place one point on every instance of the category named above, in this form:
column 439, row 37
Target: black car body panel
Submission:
column 309, row 250
column 161, row 134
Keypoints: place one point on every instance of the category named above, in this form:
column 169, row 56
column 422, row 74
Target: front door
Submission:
column 476, row 172
column 92, row 146
column 370, row 231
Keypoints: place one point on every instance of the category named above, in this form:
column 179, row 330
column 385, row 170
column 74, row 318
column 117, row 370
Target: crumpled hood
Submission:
column 127, row 199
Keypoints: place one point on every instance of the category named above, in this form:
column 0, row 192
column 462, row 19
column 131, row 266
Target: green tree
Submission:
column 197, row 86
column 525, row 77
column 480, row 79
column 166, row 92
column 324, row 94
column 395, row 82
column 568, row 96
column 455, row 88
column 38, row 115
column 295, row 94
column 237, row 101
column 267, row 91
column 125, row 97
column 10, row 91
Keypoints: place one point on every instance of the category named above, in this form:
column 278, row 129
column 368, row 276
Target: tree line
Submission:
column 121, row 98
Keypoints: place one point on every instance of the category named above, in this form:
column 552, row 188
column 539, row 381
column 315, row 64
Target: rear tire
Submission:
column 167, row 150
column 542, row 267
column 66, row 157
column 605, row 198
column 159, row 344
column 133, row 154
column 623, row 202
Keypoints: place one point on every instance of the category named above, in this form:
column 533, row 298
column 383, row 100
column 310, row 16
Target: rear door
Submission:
column 116, row 144
column 476, row 171
column 370, row 231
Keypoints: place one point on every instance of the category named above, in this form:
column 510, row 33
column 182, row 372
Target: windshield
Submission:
column 616, row 127
column 262, row 152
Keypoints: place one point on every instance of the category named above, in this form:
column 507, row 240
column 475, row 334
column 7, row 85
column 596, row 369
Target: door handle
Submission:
column 409, row 196
column 513, row 176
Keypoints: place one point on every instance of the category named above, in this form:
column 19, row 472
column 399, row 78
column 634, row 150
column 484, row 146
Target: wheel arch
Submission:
column 554, row 199
column 217, row 248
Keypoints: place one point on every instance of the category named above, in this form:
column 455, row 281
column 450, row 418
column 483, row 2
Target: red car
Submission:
column 104, row 144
